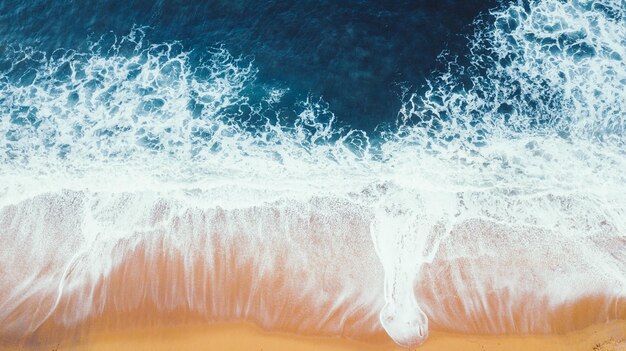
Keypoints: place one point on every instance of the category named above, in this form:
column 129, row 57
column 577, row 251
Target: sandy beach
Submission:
column 245, row 336
column 313, row 175
column 154, row 299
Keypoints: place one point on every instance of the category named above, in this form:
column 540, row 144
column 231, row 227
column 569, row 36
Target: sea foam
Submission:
column 495, row 205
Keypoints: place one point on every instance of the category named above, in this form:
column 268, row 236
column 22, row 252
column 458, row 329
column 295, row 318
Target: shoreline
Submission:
column 610, row 336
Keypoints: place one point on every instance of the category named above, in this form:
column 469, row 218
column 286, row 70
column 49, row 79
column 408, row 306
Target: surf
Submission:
column 497, row 187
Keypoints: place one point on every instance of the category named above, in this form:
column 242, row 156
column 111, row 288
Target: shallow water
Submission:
column 141, row 172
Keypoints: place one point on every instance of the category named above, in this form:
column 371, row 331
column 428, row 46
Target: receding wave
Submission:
column 140, row 176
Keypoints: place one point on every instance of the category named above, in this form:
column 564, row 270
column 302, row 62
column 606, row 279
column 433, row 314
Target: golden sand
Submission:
column 146, row 327
column 155, row 298
column 245, row 336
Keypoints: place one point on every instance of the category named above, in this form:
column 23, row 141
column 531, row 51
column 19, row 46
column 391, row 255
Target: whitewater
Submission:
column 135, row 172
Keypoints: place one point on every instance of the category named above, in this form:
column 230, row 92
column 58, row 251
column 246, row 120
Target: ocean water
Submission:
column 330, row 168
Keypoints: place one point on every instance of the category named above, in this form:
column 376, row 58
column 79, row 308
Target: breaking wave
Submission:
column 496, row 204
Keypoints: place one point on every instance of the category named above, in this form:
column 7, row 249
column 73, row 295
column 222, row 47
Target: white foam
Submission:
column 131, row 139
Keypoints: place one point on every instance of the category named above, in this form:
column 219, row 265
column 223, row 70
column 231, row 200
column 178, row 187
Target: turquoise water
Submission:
column 313, row 138
column 354, row 54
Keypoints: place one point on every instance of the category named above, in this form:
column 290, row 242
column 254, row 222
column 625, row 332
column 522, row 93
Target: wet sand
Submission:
column 296, row 287
column 246, row 336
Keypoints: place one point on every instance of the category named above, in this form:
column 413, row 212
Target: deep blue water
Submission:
column 356, row 55
column 131, row 125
